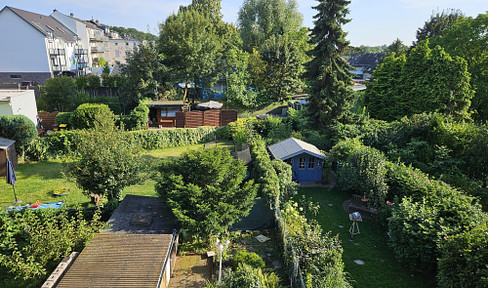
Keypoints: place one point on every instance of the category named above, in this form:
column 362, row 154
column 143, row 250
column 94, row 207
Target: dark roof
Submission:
column 164, row 104
column 129, row 217
column 45, row 24
column 369, row 60
column 119, row 260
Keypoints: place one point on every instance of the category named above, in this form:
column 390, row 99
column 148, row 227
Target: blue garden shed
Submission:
column 305, row 159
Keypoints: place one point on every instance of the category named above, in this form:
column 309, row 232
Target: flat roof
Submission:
column 6, row 95
column 163, row 104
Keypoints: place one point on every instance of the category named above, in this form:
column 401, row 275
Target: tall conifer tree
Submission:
column 330, row 80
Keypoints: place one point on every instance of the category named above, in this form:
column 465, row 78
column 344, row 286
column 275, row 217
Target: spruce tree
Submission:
column 330, row 80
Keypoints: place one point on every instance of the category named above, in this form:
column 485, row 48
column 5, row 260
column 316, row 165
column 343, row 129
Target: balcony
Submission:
column 57, row 52
column 81, row 52
column 98, row 49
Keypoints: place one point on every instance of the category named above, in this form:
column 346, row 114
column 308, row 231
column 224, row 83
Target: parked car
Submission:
column 28, row 83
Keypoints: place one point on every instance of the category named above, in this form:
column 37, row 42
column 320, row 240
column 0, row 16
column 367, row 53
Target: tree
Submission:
column 106, row 163
column 330, row 80
column 238, row 93
column 467, row 38
column 191, row 48
column 427, row 80
column 145, row 76
column 58, row 93
column 438, row 23
column 258, row 20
column 397, row 47
column 206, row 191
column 283, row 67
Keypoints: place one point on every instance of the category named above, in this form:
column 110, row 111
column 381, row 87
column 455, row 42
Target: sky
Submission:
column 373, row 22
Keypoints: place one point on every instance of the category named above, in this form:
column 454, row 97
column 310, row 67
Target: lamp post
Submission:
column 221, row 248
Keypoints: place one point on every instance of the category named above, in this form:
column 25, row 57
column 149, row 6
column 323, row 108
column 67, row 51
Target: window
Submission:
column 289, row 161
column 15, row 77
column 301, row 164
column 117, row 53
column 311, row 163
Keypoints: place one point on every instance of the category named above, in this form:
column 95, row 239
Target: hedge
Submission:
column 18, row 128
column 423, row 216
column 64, row 142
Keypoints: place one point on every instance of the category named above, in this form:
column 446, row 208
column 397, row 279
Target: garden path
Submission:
column 190, row 272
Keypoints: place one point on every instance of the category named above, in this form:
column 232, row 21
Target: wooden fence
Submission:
column 47, row 119
column 193, row 119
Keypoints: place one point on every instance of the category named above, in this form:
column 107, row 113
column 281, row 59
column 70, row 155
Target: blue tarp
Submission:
column 53, row 205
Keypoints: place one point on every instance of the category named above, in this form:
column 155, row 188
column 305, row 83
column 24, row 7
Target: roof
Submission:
column 45, row 24
column 292, row 147
column 164, row 104
column 5, row 143
column 369, row 60
column 119, row 260
column 6, row 95
column 139, row 208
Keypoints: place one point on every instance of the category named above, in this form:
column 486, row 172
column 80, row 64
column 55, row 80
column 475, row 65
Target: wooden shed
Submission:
column 7, row 150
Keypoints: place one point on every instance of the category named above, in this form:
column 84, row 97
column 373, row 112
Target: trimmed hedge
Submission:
column 84, row 116
column 64, row 142
column 18, row 128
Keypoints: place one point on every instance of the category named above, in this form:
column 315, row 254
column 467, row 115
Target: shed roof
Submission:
column 119, row 260
column 5, row 143
column 291, row 147
column 164, row 104
column 45, row 24
column 6, row 95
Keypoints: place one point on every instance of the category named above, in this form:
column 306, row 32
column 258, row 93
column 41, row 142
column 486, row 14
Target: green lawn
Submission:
column 274, row 108
column 36, row 181
column 380, row 268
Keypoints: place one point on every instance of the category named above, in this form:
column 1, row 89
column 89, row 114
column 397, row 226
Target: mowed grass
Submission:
column 37, row 181
column 380, row 268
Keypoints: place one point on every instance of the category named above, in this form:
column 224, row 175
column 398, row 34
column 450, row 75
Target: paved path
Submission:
column 190, row 272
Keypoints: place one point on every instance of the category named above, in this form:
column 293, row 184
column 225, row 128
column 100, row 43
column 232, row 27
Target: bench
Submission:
column 363, row 208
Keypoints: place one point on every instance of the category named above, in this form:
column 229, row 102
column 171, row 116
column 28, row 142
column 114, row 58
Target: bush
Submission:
column 36, row 151
column 84, row 116
column 463, row 259
column 248, row 258
column 61, row 142
column 63, row 118
column 364, row 172
column 18, row 128
column 138, row 118
column 34, row 241
column 263, row 170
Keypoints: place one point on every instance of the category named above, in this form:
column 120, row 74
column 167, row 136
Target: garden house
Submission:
column 164, row 112
column 7, row 150
column 305, row 159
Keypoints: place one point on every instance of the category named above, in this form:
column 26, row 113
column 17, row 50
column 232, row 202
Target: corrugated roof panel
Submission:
column 119, row 260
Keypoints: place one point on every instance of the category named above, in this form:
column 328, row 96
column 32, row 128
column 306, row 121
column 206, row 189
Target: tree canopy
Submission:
column 438, row 23
column 258, row 20
column 427, row 80
column 327, row 72
column 206, row 190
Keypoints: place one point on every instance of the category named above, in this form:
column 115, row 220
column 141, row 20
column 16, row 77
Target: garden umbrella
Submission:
column 11, row 178
column 210, row 105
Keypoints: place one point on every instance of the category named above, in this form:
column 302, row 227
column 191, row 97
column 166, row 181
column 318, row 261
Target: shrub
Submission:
column 248, row 258
column 61, row 142
column 63, row 118
column 137, row 120
column 244, row 276
column 84, row 116
column 155, row 139
column 463, row 259
column 263, row 170
column 36, row 151
column 18, row 128
column 364, row 172
column 242, row 130
column 34, row 241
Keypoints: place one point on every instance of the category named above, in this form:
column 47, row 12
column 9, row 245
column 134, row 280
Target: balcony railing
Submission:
column 53, row 51
column 80, row 52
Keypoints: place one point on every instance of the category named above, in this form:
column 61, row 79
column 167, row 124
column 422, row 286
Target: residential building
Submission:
column 18, row 102
column 365, row 64
column 119, row 49
column 35, row 47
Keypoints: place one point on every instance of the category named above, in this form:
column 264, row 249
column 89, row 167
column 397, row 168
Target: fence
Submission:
column 194, row 119
column 47, row 119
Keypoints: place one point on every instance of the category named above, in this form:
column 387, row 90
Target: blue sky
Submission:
column 374, row 22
